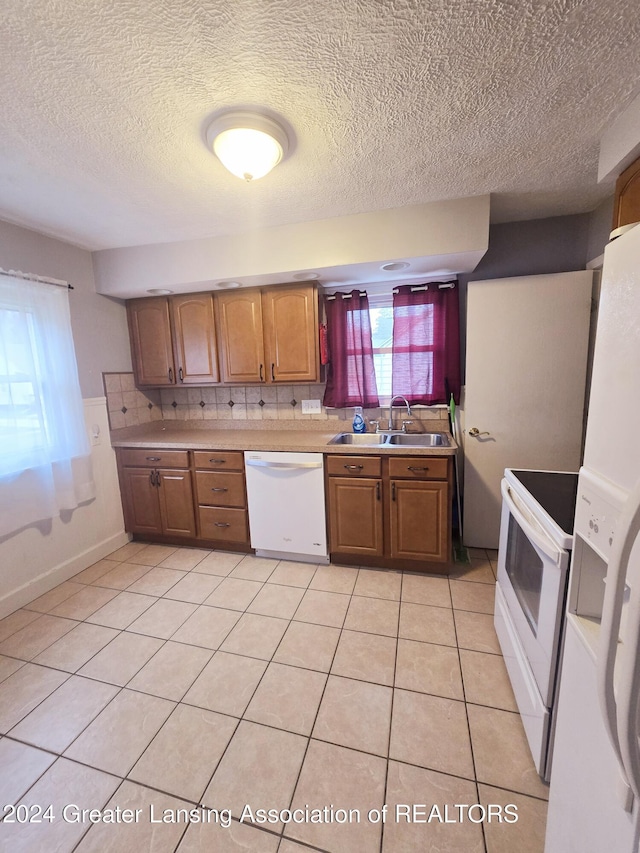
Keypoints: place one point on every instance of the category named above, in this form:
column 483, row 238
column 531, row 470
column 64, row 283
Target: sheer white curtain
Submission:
column 45, row 462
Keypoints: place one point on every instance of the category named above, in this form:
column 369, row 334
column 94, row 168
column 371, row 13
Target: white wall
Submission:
column 36, row 559
column 99, row 323
column 446, row 235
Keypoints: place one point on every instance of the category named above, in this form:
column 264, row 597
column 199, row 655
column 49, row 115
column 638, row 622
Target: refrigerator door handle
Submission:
column 616, row 710
column 628, row 688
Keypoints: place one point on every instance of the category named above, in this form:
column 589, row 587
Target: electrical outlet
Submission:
column 311, row 407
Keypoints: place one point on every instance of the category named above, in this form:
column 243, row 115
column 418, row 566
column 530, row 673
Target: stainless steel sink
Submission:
column 395, row 439
column 366, row 439
column 425, row 439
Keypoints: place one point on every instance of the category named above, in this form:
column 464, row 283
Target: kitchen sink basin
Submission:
column 425, row 439
column 399, row 439
column 363, row 438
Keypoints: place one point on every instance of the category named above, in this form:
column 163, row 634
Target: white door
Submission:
column 527, row 341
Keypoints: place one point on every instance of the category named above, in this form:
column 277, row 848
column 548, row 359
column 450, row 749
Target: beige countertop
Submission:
column 179, row 435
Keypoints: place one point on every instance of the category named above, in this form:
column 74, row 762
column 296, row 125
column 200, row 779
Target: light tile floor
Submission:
column 169, row 680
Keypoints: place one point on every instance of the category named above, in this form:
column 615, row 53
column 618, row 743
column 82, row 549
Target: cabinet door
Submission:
column 150, row 336
column 626, row 206
column 419, row 520
column 175, row 496
column 140, row 501
column 291, row 334
column 195, row 339
column 239, row 316
column 355, row 516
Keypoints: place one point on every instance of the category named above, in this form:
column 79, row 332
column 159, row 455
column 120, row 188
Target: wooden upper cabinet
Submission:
column 151, row 343
column 173, row 341
column 290, row 316
column 240, row 331
column 194, row 339
column 269, row 335
column 626, row 207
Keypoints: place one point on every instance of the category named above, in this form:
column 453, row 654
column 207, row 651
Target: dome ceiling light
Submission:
column 248, row 144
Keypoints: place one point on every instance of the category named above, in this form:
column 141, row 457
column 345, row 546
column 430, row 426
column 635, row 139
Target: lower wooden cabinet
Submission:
column 222, row 496
column 355, row 516
column 419, row 520
column 195, row 496
column 158, row 500
column 399, row 517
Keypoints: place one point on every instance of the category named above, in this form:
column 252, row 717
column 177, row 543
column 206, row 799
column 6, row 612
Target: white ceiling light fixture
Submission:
column 248, row 144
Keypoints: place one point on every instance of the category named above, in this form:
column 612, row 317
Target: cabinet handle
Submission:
column 354, row 467
column 393, row 491
column 417, row 468
column 261, row 376
column 378, row 490
column 153, row 458
column 170, row 374
column 218, row 461
column 273, row 378
column 152, row 478
column 222, row 524
column 219, row 490
column 158, row 479
column 181, row 375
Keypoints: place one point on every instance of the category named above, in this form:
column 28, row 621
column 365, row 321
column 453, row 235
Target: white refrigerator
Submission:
column 595, row 775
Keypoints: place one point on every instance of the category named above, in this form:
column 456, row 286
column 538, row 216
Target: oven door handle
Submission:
column 540, row 541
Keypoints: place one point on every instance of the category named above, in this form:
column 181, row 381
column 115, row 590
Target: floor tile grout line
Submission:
column 239, row 719
column 393, row 696
column 324, row 689
column 466, row 714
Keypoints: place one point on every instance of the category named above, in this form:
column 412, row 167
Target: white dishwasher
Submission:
column 285, row 495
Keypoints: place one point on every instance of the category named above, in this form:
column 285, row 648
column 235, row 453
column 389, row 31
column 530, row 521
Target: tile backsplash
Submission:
column 127, row 406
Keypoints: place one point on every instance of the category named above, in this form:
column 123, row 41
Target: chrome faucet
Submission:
column 393, row 399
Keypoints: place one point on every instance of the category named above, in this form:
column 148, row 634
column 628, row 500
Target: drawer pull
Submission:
column 354, row 467
column 222, row 524
column 153, row 458
column 417, row 468
column 218, row 461
column 219, row 490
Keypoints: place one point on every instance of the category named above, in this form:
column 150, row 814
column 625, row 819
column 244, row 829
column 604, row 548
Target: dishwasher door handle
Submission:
column 261, row 463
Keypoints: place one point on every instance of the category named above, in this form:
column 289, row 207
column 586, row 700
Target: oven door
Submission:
column 532, row 575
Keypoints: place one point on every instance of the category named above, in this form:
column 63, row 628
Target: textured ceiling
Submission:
column 392, row 102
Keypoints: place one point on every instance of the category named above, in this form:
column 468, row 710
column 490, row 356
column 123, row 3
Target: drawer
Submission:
column 355, row 466
column 220, row 488
column 219, row 460
column 419, row 467
column 142, row 458
column 226, row 525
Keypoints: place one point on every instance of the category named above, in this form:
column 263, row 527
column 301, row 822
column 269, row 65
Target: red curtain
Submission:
column 426, row 344
column 351, row 377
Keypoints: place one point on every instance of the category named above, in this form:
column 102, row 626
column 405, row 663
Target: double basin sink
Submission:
column 392, row 439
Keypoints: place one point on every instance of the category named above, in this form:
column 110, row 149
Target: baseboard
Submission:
column 63, row 571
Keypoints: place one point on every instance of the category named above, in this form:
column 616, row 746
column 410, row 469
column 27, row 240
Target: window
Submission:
column 381, row 313
column 44, row 450
column 406, row 342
